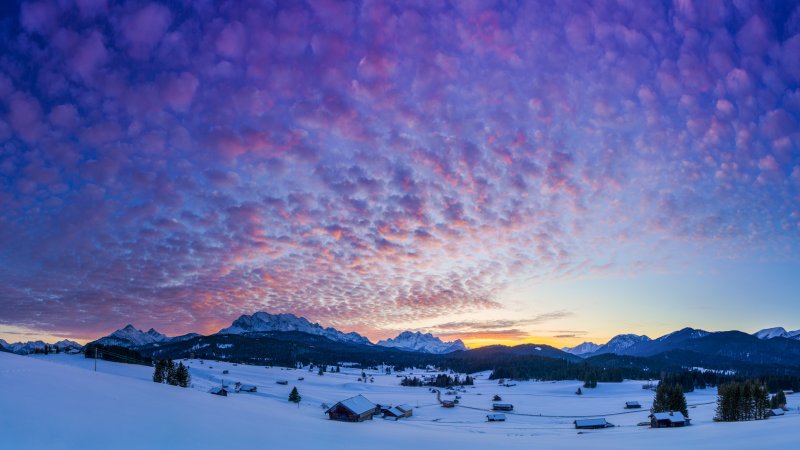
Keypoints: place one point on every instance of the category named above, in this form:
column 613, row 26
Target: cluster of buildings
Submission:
column 359, row 409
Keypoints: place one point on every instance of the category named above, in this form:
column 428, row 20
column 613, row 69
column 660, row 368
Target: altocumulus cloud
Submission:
column 368, row 163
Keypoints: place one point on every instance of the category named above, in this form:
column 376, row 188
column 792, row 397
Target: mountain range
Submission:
column 262, row 323
column 685, row 339
column 24, row 348
column 419, row 342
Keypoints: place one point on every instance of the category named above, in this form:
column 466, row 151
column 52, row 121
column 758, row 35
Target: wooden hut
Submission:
column 670, row 419
column 448, row 403
column 247, row 388
column 353, row 409
column 502, row 407
column 592, row 424
column 392, row 412
column 496, row 417
column 776, row 412
column 406, row 410
column 632, row 405
column 218, row 391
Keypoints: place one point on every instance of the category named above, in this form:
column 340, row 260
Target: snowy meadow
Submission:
column 58, row 401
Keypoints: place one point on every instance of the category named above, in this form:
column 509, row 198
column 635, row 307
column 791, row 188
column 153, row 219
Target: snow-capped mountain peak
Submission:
column 770, row 333
column 687, row 333
column 265, row 322
column 422, row 342
column 619, row 343
column 130, row 336
column 582, row 349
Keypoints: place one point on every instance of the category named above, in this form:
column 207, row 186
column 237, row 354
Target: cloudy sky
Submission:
column 498, row 171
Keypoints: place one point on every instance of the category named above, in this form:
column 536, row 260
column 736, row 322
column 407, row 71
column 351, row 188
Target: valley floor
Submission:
column 57, row 401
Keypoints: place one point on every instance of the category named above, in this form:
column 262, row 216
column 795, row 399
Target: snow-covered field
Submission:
column 57, row 401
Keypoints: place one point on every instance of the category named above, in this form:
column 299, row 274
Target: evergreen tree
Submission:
column 320, row 372
column 778, row 400
column 182, row 375
column 158, row 373
column 661, row 400
column 294, row 396
column 677, row 401
column 579, row 392
column 171, row 373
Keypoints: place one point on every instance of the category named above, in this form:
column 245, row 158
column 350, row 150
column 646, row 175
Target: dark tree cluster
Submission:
column 778, row 400
column 669, row 397
column 441, row 380
column 167, row 372
column 114, row 353
column 590, row 381
column 741, row 401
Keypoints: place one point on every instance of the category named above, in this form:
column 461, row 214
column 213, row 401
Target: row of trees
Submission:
column 167, row 372
column 46, row 350
column 441, row 380
column 744, row 400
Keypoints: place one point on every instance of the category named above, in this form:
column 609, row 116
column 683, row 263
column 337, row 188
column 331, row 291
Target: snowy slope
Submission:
column 582, row 349
column 420, row 342
column 127, row 411
column 265, row 322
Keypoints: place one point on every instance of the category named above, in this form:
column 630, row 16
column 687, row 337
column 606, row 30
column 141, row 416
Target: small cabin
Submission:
column 392, row 412
column 497, row 417
column 247, row 388
column 448, row 404
column 225, row 372
column 776, row 412
column 218, row 391
column 632, row 405
column 282, row 382
column 353, row 409
column 670, row 419
column 592, row 424
column 406, row 410
column 502, row 407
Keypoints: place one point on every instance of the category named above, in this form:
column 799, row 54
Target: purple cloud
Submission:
column 368, row 164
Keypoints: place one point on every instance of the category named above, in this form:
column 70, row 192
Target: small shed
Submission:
column 282, row 382
column 632, row 405
column 247, row 388
column 592, row 424
column 406, row 410
column 668, row 419
column 392, row 412
column 502, row 406
column 448, row 404
column 218, row 391
column 496, row 417
column 776, row 412
column 353, row 409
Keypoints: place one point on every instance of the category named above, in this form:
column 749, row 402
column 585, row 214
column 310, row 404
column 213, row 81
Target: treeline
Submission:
column 441, row 380
column 167, row 372
column 741, row 401
column 535, row 368
column 696, row 379
column 116, row 354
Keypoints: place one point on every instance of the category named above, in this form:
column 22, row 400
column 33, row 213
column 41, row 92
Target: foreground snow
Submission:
column 56, row 401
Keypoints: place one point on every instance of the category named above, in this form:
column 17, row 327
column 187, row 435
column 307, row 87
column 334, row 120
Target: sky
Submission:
column 495, row 171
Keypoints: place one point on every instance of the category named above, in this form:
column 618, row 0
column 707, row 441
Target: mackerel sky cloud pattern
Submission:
column 368, row 164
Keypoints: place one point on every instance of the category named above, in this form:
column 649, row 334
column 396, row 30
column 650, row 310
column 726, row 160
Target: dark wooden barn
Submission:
column 354, row 409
